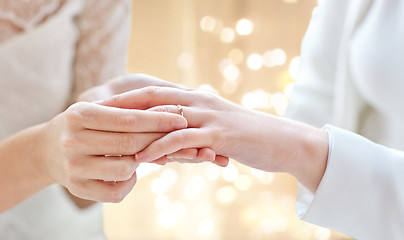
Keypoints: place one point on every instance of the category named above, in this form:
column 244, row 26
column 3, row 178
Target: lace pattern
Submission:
column 104, row 27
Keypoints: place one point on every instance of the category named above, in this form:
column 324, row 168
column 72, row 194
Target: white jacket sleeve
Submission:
column 312, row 98
column 361, row 192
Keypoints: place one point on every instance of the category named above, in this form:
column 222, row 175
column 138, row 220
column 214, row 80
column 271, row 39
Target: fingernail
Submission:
column 139, row 157
column 179, row 123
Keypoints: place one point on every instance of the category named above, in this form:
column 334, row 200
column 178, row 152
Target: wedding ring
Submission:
column 180, row 110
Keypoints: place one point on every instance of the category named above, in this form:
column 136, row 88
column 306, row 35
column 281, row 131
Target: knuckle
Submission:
column 125, row 172
column 76, row 112
column 152, row 90
column 115, row 99
column 127, row 143
column 127, row 120
column 68, row 143
column 208, row 98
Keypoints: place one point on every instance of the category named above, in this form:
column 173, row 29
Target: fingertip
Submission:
column 221, row 161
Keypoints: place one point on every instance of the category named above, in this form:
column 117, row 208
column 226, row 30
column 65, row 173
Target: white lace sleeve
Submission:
column 103, row 44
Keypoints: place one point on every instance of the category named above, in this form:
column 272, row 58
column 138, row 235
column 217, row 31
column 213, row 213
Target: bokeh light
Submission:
column 236, row 56
column 258, row 99
column 276, row 57
column 255, row 61
column 247, row 53
column 185, row 60
column 244, row 27
column 208, row 24
column 227, row 35
column 225, row 195
column 206, row 227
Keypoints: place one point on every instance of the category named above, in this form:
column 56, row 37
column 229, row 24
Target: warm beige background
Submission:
column 174, row 40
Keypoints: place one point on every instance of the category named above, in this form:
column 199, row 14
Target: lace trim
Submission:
column 26, row 14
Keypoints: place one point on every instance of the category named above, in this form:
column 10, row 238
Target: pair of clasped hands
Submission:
column 95, row 146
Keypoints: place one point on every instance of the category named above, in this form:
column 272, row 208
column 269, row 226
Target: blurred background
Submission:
column 246, row 51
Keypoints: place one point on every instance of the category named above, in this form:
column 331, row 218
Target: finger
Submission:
column 192, row 115
column 103, row 191
column 162, row 161
column 206, row 155
column 106, row 168
column 189, row 153
column 144, row 80
column 111, row 143
column 148, row 97
column 221, row 161
column 181, row 139
column 200, row 155
column 98, row 117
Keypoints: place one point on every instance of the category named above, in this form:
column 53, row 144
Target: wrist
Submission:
column 41, row 155
column 309, row 159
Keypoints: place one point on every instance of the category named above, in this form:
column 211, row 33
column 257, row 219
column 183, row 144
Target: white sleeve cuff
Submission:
column 361, row 191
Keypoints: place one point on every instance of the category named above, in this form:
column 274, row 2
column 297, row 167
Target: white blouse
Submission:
column 50, row 51
column 351, row 76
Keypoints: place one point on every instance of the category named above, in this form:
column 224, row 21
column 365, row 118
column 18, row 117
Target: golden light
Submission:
column 206, row 227
column 212, row 172
column 208, row 88
column 244, row 27
column 280, row 103
column 230, row 87
column 227, row 35
column 159, row 186
column 194, row 187
column 255, row 61
column 225, row 195
column 243, row 183
column 203, row 209
column 276, row 57
column 236, row 56
column 291, row 1
column 272, row 225
column 231, row 73
column 179, row 209
column 185, row 60
column 258, row 99
column 230, row 173
column 169, row 176
column 167, row 219
column 162, row 202
column 208, row 24
column 322, row 233
column 145, row 169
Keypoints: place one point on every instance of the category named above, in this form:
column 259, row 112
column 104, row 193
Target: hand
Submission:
column 90, row 148
column 123, row 84
column 253, row 138
column 129, row 82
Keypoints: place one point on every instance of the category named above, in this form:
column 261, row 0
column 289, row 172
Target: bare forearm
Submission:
column 309, row 149
column 22, row 174
column 278, row 144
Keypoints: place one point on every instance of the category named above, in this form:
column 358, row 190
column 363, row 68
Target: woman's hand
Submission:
column 90, row 148
column 129, row 82
column 123, row 84
column 253, row 138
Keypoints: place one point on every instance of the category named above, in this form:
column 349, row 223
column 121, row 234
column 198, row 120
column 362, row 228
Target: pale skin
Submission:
column 89, row 148
column 253, row 138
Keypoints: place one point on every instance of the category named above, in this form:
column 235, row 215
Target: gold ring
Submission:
column 180, row 110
